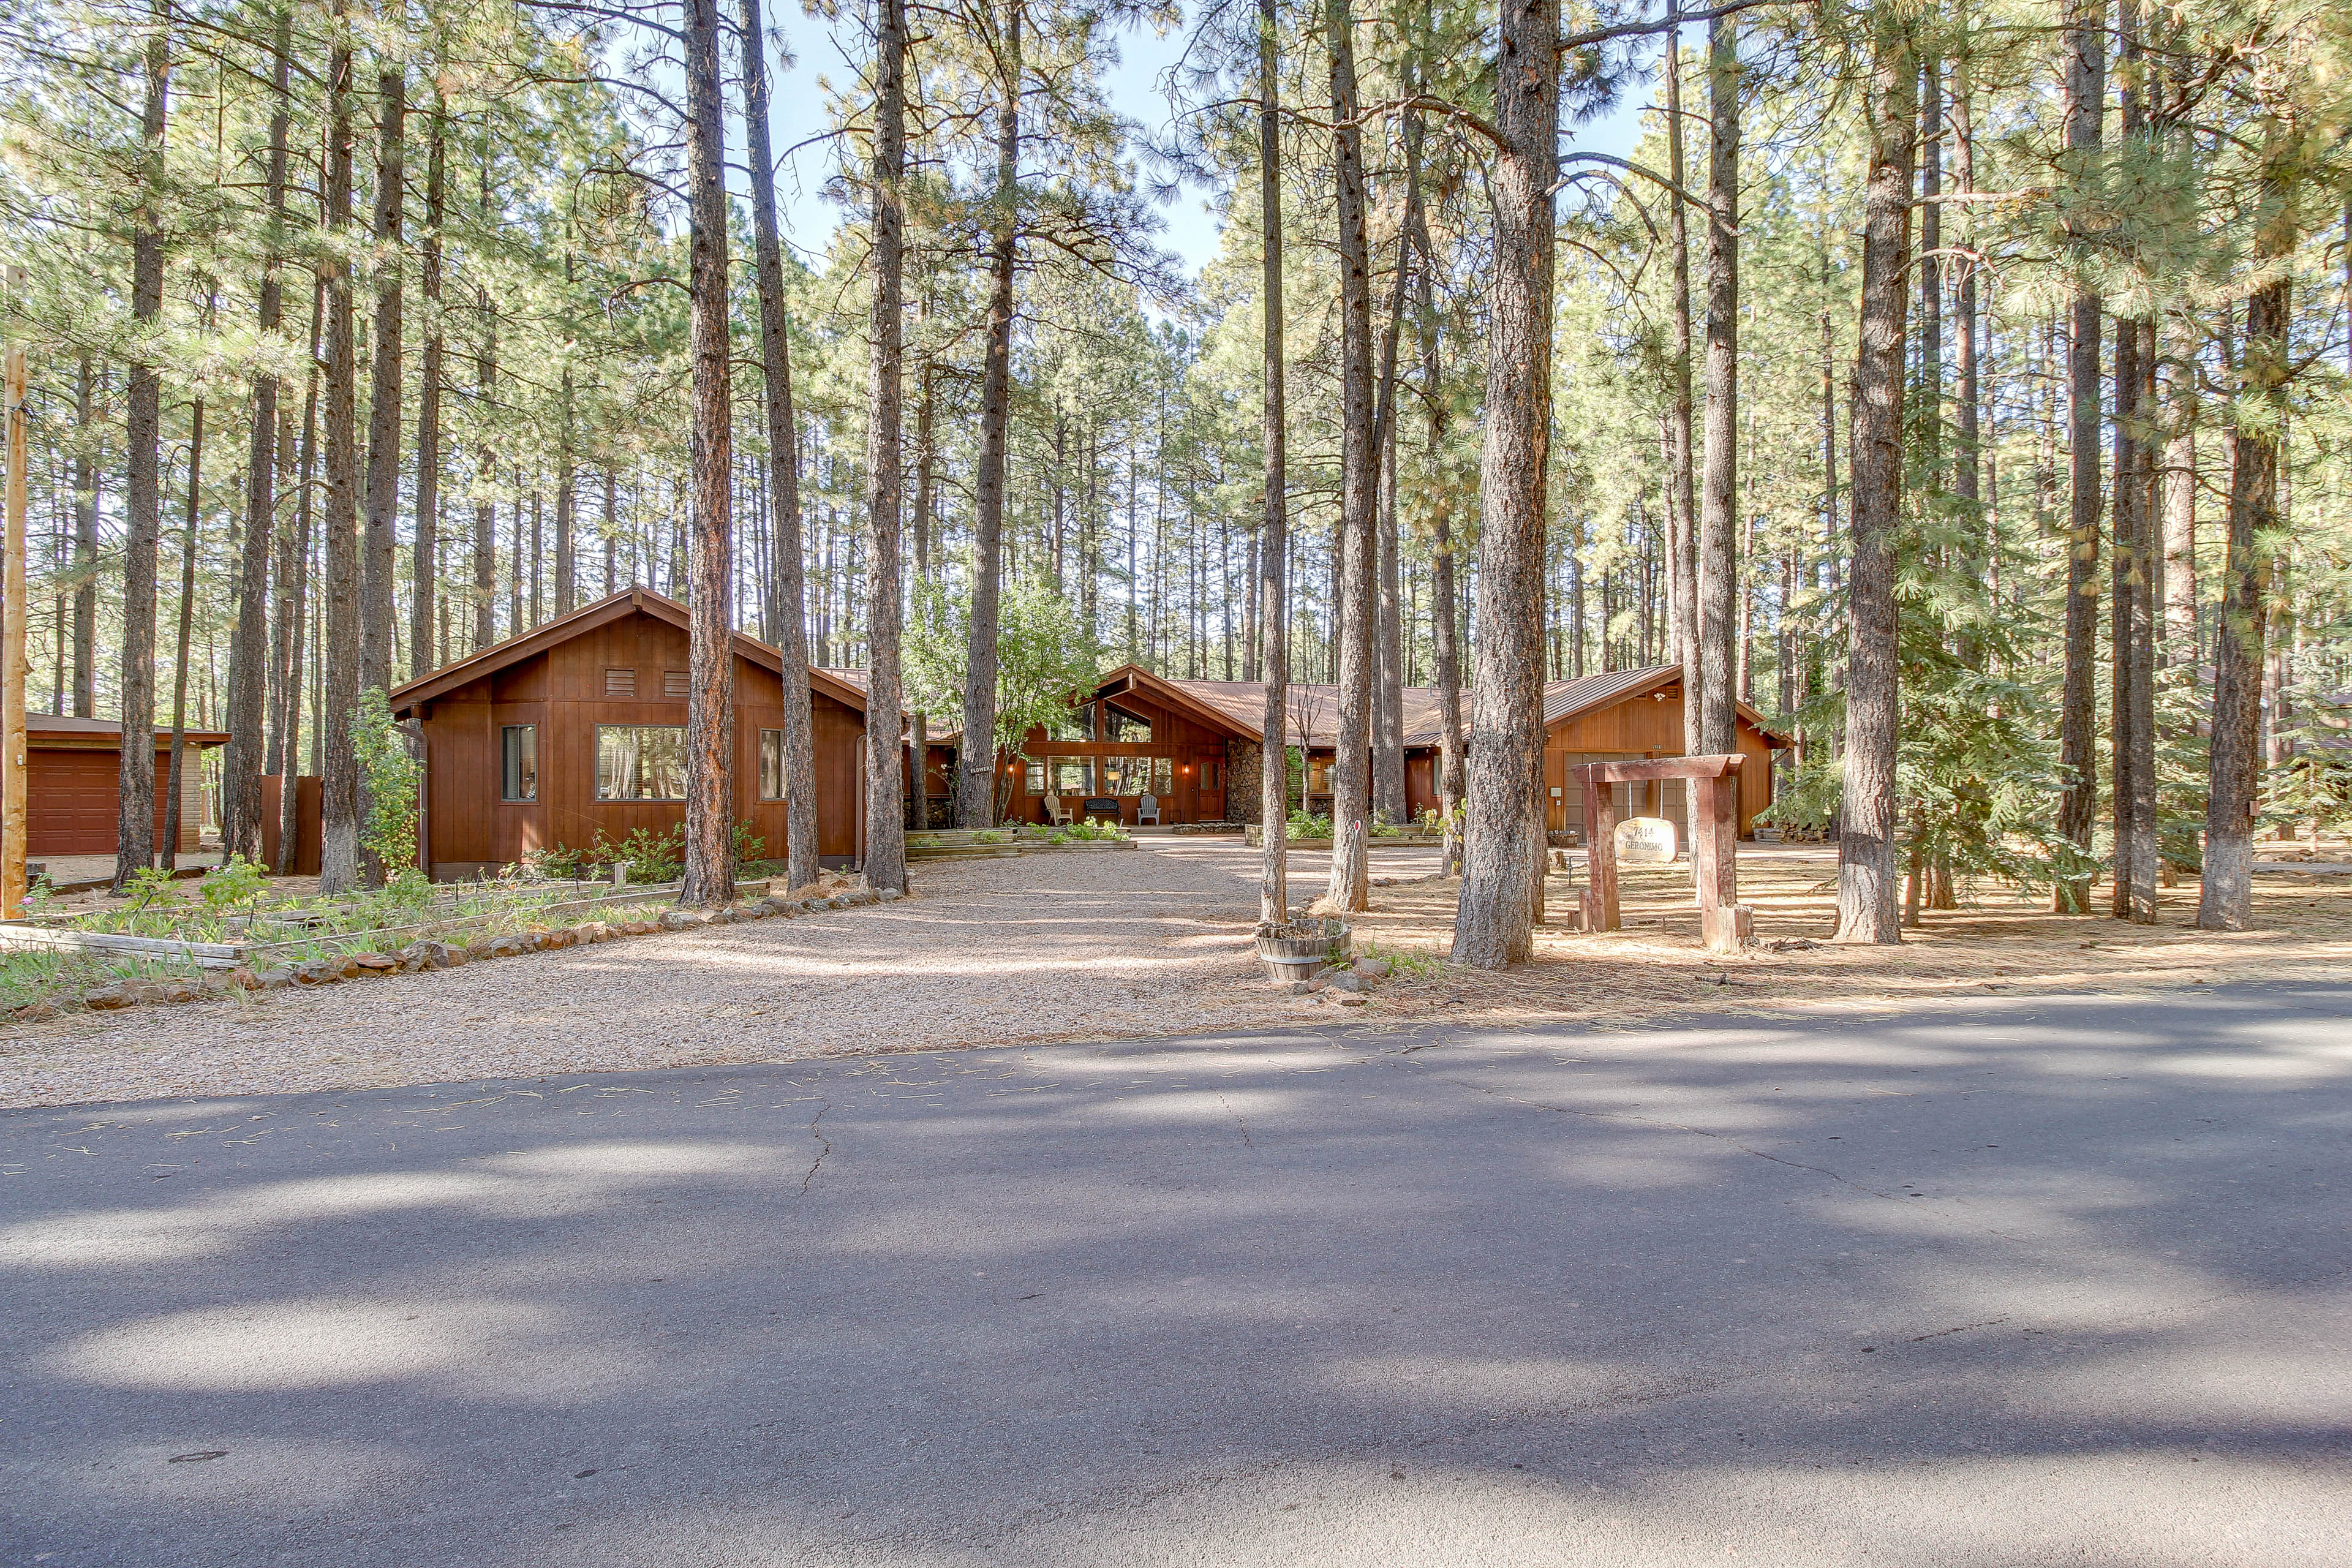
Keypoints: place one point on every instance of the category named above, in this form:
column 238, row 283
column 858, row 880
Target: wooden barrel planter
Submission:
column 1298, row 957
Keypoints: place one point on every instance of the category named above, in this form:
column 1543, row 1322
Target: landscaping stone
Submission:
column 677, row 919
column 1373, row 968
column 106, row 998
column 375, row 963
column 277, row 979
column 243, row 978
column 1350, row 1001
column 1337, row 980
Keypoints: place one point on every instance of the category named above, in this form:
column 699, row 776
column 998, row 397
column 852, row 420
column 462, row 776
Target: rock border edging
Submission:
column 419, row 957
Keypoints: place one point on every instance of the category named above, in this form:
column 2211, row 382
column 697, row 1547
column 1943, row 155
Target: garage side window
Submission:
column 640, row 761
column 519, row 761
column 771, row 764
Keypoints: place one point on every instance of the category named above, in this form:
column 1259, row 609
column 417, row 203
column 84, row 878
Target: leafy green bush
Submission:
column 1304, row 825
column 392, row 774
column 236, row 882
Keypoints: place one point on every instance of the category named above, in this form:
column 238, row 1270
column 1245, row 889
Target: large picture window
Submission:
column 640, row 761
column 1139, row 775
column 1071, row 776
column 1120, row 725
column 1033, row 777
column 1078, row 724
column 519, row 761
column 771, row 764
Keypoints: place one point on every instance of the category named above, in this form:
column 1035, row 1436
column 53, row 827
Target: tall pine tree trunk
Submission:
column 376, row 558
column 886, row 833
column 338, row 785
column 2179, row 491
column 2078, row 805
column 2233, row 787
column 1446, row 654
column 1869, row 890
column 291, row 637
column 1681, row 504
column 85, row 554
column 249, row 643
column 976, row 788
column 144, row 497
column 1355, row 602
column 424, row 552
column 1718, row 578
column 1494, row 924
column 787, row 586
column 709, row 877
column 1274, row 517
column 486, row 460
column 169, row 854
column 1388, row 665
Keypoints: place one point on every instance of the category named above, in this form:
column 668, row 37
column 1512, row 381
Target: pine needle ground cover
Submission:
column 1655, row 968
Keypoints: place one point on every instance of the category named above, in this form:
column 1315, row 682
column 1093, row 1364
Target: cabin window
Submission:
column 1078, row 724
column 1033, row 777
column 619, row 683
column 1139, row 775
column 519, row 761
column 1318, row 776
column 674, row 687
column 771, row 764
column 1071, row 776
column 640, row 761
column 1212, row 774
column 1120, row 725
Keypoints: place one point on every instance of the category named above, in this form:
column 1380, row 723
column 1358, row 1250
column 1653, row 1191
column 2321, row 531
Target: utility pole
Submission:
column 12, row 661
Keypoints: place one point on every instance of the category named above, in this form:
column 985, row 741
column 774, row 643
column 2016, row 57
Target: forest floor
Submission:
column 1141, row 944
column 1656, row 967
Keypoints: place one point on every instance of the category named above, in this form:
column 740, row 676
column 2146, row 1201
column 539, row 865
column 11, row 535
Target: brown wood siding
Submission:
column 73, row 798
column 1645, row 724
column 308, row 799
column 561, row 692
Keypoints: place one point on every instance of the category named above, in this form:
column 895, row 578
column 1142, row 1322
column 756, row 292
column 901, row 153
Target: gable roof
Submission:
column 1241, row 704
column 59, row 730
column 563, row 629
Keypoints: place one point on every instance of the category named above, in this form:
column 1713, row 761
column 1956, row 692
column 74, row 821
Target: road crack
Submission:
column 826, row 1149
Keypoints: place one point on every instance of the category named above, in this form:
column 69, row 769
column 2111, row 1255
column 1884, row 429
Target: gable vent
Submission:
column 674, row 684
column 619, row 683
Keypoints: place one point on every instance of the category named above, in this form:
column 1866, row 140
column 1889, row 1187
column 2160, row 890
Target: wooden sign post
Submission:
column 1726, row 924
column 12, row 637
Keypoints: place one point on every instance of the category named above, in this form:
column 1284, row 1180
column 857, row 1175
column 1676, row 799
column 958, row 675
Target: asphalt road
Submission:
column 2043, row 1281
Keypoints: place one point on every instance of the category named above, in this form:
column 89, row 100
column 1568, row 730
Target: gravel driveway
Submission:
column 1047, row 947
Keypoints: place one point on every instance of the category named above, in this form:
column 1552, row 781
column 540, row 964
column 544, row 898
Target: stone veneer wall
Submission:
column 1244, row 788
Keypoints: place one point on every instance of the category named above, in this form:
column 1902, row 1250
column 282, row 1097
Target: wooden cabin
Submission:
column 73, row 785
column 576, row 731
column 1130, row 736
column 1636, row 714
column 1203, row 738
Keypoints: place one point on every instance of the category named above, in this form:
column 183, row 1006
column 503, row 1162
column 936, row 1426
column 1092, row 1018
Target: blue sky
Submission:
column 798, row 114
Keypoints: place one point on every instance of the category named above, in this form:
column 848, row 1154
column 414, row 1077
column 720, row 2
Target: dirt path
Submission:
column 1143, row 942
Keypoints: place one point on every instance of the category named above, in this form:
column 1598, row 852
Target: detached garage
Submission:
column 73, row 785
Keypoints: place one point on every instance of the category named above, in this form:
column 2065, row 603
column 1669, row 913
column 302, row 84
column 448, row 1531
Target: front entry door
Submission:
column 1209, row 795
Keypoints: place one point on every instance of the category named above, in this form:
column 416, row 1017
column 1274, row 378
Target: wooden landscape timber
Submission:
column 1726, row 925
